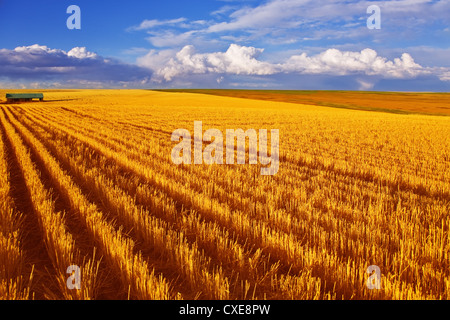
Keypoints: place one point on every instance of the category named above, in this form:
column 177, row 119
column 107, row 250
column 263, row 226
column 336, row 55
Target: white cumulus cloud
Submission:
column 81, row 53
column 236, row 60
column 242, row 60
column 367, row 61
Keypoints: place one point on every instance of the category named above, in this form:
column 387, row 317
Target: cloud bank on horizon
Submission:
column 279, row 44
column 57, row 68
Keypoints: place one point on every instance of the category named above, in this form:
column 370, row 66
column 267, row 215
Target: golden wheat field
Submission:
column 87, row 180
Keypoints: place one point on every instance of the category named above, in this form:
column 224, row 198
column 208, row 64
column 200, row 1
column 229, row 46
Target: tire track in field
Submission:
column 110, row 287
column 16, row 267
column 109, row 214
column 32, row 239
column 118, row 248
column 96, row 197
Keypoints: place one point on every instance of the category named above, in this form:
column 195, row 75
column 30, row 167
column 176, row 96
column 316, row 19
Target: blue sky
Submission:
column 276, row 44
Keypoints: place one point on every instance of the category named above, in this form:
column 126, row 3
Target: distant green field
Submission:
column 392, row 102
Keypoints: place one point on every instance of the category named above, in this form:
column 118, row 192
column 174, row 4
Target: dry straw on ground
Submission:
column 355, row 188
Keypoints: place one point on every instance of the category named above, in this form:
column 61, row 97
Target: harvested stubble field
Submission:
column 86, row 179
column 432, row 103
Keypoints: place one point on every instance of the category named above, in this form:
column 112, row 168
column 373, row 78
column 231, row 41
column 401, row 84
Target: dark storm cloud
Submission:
column 40, row 63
